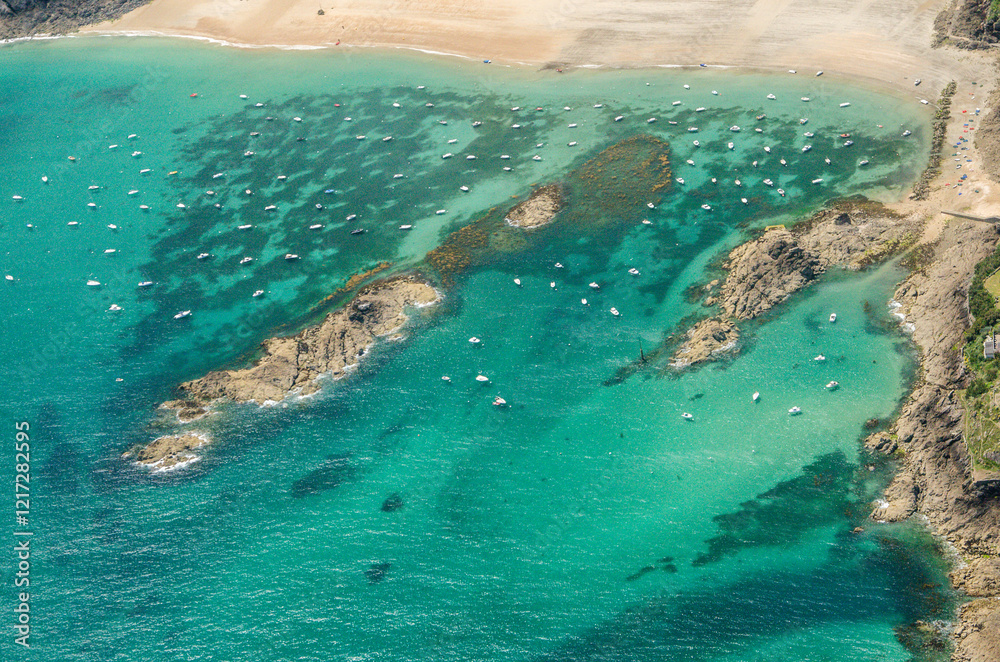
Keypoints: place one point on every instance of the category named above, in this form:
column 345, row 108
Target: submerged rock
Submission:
column 377, row 571
column 392, row 503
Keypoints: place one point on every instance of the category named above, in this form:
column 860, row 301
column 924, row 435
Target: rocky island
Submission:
column 539, row 209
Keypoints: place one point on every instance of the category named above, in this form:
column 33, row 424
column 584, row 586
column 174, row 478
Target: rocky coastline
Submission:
column 294, row 365
column 26, row 18
column 934, row 478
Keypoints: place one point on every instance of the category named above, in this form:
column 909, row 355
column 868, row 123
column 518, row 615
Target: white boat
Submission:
column 594, row 286
column 73, row 223
column 360, row 137
column 804, row 120
column 92, row 205
column 696, row 143
column 845, row 105
column 474, row 340
column 146, row 283
column 767, row 149
column 833, row 317
column 470, row 157
column 818, row 180
column 690, row 162
column 115, row 306
column 806, row 148
column 584, row 302
column 692, row 129
column 756, row 396
column 848, row 143
column 634, row 271
column 109, row 251
column 571, row 144
column 502, row 156
column 559, row 265
column 45, row 179
column 316, row 226
column 447, row 155
column 805, row 98
column 405, row 227
column 819, row 357
column 270, row 208
column 676, row 103
column 738, row 182
column 906, row 133
column 731, row 146
column 246, row 260
column 783, row 162
column 699, row 109
column 707, row 207
column 218, row 175
column 744, row 201
column 863, row 162
column 499, row 402
column 441, row 211
column 680, row 180
column 781, row 192
column 246, row 226
column 145, row 171
column 515, row 126
column 517, row 281
column 463, row 188
column 769, row 182
column 734, row 129
column 204, row 256
column 17, row 198
column 93, row 187
column 808, row 134
column 133, row 191
column 182, row 314
column 619, row 118
column 9, row 277
column 144, row 207
column 614, row 311
column 552, row 284
column 794, row 410
column 832, row 385
column 93, row 283
column 482, row 378
column 181, row 205
column 687, row 417
column 573, row 125
column 653, row 119
column 536, row 157
column 291, row 256
column 771, row 97
column 819, row 73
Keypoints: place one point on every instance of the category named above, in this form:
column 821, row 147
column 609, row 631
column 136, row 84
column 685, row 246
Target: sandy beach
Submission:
column 888, row 42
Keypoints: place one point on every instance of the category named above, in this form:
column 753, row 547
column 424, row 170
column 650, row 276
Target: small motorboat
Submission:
column 573, row 125
column 246, row 226
column 634, row 271
column 680, row 180
column 350, row 217
column 115, row 306
column 93, row 283
column 769, row 182
column 818, row 180
column 246, row 260
column 734, row 129
column 731, row 146
column 73, row 224
column 146, row 283
column 845, row 105
column 291, row 256
column 819, row 357
column 794, row 411
column 696, row 143
column 448, row 155
column 316, row 226
column 109, row 251
column 832, row 386
column 692, row 129
column 559, row 265
column 358, row 231
column 270, row 208
column 470, row 157
column 405, row 227
column 536, row 157
column 482, row 379
column 181, row 205
column 781, row 192
column 441, row 211
column 571, row 144
column 584, row 302
column 783, row 162
column 387, row 139
column 803, row 120
column 805, row 99
column 258, row 293
column 477, row 123
column 145, row 171
column 848, row 143
column 619, row 118
column 819, row 73
column 808, row 134
column 503, row 157
column 806, row 148
column 916, row 82
column 594, row 286
column 906, row 133
column 756, row 396
column 707, row 207
column 744, row 201
column 517, row 281
column 552, row 285
column 767, row 149
column 17, row 198
column 738, row 182
column 833, row 317
column 499, row 402
column 651, row 205
column 771, row 97
column 463, row 188
column 92, row 205
column 614, row 311
column 360, row 137
column 474, row 340
column 863, row 162
column 45, row 179
column 182, row 314
column 204, row 256
column 687, row 417
column 761, row 116
column 653, row 119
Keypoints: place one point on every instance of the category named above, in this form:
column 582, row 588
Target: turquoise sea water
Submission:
column 586, row 520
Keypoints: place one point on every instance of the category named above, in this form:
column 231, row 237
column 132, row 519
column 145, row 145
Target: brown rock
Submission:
column 706, row 340
column 539, row 209
column 292, row 364
column 168, row 451
column 979, row 578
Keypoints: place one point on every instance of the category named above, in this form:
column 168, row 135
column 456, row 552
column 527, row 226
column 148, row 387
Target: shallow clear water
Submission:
column 585, row 521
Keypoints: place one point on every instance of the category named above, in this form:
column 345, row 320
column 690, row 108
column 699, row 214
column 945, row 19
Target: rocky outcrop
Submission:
column 168, row 452
column 24, row 18
column 293, row 364
column 706, row 340
column 539, row 209
column 765, row 272
column 977, row 635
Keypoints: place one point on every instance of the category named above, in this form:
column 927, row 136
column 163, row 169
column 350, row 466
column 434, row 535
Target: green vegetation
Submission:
column 994, row 12
column 982, row 398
